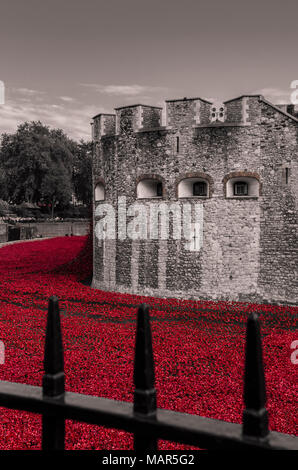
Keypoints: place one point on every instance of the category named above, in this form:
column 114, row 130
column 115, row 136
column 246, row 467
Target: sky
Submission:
column 64, row 61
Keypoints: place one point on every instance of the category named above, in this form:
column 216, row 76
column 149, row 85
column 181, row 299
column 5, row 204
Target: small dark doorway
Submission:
column 13, row 233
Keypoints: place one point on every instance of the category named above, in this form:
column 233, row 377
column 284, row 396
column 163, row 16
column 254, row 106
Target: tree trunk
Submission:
column 52, row 208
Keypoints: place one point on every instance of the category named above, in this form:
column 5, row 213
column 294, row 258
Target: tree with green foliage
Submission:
column 31, row 154
column 82, row 172
column 56, row 188
column 36, row 159
column 3, row 185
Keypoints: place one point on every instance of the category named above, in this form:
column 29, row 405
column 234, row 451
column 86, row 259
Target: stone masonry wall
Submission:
column 278, row 242
column 249, row 248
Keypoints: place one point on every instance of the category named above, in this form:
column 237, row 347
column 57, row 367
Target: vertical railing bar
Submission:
column 53, row 428
column 255, row 415
column 144, row 381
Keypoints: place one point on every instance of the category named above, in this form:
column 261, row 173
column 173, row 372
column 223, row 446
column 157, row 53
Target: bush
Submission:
column 43, row 216
column 73, row 212
column 4, row 207
column 23, row 211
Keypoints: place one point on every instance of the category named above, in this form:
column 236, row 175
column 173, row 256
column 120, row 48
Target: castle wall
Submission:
column 249, row 244
column 278, row 242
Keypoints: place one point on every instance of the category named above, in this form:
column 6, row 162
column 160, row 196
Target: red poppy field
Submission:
column 198, row 346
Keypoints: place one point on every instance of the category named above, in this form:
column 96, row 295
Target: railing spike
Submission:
column 53, row 427
column 255, row 416
column 144, row 380
column 53, row 380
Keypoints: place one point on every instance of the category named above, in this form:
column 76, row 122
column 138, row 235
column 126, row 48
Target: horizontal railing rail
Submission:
column 169, row 425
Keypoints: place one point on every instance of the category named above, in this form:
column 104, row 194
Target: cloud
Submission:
column 122, row 90
column 65, row 112
column 68, row 99
column 74, row 121
column 212, row 99
column 275, row 95
column 28, row 91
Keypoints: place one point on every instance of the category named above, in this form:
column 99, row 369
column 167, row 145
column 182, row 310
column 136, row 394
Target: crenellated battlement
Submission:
column 103, row 124
column 136, row 117
column 242, row 109
column 183, row 114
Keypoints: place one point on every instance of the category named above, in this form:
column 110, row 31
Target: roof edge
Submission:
column 279, row 110
column 135, row 105
column 188, row 99
column 244, row 96
column 103, row 114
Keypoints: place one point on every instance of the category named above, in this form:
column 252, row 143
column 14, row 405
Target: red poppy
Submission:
column 198, row 346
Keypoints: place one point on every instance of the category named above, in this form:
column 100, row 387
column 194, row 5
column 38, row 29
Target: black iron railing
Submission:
column 142, row 417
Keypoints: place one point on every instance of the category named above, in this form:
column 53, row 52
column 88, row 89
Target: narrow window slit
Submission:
column 159, row 189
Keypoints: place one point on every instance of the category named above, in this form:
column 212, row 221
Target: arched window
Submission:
column 149, row 188
column 193, row 187
column 99, row 192
column 244, row 185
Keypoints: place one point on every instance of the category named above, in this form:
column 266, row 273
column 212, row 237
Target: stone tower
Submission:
column 241, row 168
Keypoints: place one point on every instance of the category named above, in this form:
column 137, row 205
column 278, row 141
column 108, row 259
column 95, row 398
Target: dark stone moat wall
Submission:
column 235, row 262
